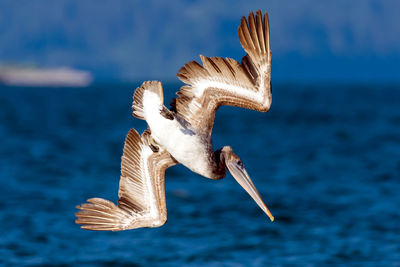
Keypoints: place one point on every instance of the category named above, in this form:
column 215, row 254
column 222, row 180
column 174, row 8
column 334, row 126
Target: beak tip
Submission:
column 271, row 218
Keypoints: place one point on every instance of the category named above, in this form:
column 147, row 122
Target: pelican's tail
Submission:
column 148, row 99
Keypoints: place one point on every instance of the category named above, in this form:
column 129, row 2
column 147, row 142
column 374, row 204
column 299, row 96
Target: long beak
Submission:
column 240, row 174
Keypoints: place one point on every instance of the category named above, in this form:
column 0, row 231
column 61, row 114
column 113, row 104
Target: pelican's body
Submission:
column 182, row 134
column 188, row 147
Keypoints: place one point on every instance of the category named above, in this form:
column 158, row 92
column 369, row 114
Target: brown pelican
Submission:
column 182, row 134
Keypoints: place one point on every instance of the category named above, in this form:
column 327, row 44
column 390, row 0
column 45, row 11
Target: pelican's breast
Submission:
column 185, row 146
column 188, row 148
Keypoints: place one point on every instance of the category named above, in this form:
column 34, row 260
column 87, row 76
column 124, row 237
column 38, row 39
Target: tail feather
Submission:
column 138, row 97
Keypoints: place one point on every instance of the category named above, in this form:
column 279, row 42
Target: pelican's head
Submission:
column 236, row 168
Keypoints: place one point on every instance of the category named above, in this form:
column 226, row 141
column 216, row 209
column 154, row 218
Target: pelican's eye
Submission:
column 239, row 162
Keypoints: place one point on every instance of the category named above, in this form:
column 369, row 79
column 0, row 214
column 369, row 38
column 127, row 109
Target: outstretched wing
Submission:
column 223, row 81
column 141, row 190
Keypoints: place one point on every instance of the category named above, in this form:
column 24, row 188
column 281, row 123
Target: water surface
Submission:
column 325, row 159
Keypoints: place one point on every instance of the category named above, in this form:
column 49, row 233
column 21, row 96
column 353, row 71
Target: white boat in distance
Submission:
column 48, row 77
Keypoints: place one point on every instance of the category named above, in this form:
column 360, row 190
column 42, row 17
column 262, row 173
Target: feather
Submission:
column 141, row 194
column 220, row 81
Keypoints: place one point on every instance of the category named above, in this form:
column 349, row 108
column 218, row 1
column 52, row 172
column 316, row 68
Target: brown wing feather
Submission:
column 137, row 207
column 220, row 81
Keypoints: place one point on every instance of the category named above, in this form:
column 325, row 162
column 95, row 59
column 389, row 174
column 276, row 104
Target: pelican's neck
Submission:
column 220, row 163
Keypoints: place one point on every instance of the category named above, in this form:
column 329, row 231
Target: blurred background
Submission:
column 325, row 158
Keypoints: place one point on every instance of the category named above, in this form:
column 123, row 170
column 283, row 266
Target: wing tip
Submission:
column 102, row 215
column 253, row 33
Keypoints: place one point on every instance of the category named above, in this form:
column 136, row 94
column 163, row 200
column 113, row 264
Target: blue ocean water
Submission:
column 326, row 160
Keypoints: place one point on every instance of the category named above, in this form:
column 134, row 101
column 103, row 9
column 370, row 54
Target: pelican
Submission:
column 182, row 134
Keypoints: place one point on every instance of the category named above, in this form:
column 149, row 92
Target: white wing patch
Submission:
column 150, row 195
column 256, row 96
